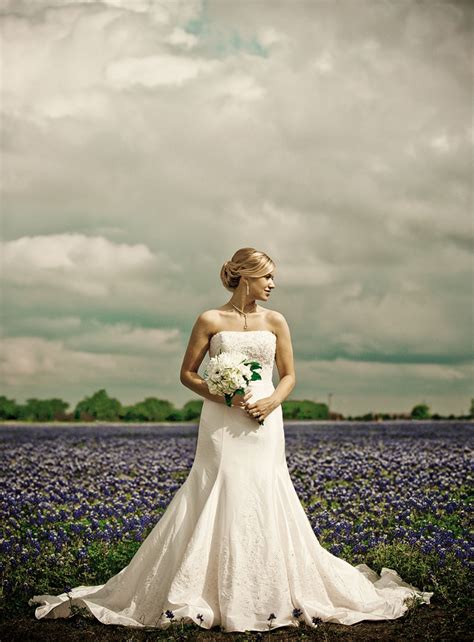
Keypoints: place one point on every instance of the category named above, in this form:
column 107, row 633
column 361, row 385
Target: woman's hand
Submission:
column 261, row 408
column 240, row 400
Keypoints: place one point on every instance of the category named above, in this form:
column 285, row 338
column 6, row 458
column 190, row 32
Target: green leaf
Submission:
column 254, row 364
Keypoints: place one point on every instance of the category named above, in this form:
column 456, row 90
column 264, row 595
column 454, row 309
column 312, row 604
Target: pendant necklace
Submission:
column 241, row 312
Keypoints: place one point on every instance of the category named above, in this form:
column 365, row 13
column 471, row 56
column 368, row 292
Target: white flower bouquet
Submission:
column 228, row 373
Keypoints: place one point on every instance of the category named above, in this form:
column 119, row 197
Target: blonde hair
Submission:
column 246, row 262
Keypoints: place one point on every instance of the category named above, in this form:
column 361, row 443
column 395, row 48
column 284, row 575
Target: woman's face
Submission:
column 261, row 286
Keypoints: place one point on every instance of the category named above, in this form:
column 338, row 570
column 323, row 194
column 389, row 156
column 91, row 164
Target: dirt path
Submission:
column 428, row 622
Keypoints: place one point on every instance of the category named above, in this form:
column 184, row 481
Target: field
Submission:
column 77, row 501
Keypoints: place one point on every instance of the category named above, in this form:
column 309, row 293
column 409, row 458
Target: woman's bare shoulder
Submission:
column 273, row 316
column 209, row 319
column 276, row 321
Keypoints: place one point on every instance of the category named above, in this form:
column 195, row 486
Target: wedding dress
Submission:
column 235, row 546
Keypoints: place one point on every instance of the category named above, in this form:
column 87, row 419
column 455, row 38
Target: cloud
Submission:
column 123, row 338
column 269, row 37
column 25, row 358
column 37, row 365
column 182, row 38
column 324, row 63
column 241, row 87
column 143, row 143
column 156, row 70
column 86, row 265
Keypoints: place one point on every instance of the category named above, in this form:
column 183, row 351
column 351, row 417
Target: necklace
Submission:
column 241, row 312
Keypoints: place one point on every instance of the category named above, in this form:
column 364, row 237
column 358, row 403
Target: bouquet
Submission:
column 229, row 372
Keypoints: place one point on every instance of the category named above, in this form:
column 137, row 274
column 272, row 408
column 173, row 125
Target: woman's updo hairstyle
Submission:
column 246, row 262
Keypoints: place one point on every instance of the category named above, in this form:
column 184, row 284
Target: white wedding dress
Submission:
column 234, row 545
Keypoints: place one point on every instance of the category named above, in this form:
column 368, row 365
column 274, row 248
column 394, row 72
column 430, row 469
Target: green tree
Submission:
column 151, row 409
column 175, row 415
column 471, row 414
column 42, row 409
column 421, row 411
column 192, row 409
column 9, row 409
column 100, row 406
column 304, row 409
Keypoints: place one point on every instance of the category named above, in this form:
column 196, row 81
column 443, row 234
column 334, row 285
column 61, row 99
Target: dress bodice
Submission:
column 257, row 344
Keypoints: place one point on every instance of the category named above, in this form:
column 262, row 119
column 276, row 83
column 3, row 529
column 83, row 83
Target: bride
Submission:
column 235, row 547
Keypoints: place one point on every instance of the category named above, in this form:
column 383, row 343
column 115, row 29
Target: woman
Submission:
column 234, row 547
column 249, row 276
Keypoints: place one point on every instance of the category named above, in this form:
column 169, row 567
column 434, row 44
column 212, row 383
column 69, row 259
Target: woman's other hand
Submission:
column 241, row 400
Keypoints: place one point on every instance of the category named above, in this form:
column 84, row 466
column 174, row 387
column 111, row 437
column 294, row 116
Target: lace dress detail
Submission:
column 256, row 344
column 235, row 545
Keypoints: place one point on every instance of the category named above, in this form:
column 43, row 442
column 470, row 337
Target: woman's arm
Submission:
column 284, row 359
column 195, row 352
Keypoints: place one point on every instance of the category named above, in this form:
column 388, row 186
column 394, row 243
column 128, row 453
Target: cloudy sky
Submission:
column 144, row 141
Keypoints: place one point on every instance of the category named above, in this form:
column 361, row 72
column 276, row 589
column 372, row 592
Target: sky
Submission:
column 144, row 141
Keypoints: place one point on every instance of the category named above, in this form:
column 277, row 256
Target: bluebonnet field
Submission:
column 77, row 501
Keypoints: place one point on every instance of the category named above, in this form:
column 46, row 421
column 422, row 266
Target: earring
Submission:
column 247, row 288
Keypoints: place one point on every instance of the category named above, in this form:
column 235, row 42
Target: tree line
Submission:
column 101, row 407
